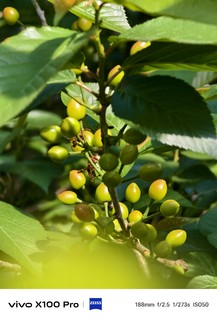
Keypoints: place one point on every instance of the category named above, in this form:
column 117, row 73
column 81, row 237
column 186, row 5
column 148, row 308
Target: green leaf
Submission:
column 210, row 92
column 203, row 78
column 112, row 16
column 172, row 223
column 40, row 172
column 175, row 56
column 200, row 10
column 54, row 85
column 203, row 282
column 200, row 263
column 208, row 222
column 212, row 238
column 170, row 29
column 168, row 110
column 38, row 119
column 6, row 137
column 19, row 235
column 26, row 69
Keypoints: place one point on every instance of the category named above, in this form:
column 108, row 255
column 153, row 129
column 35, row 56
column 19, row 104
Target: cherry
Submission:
column 169, row 208
column 51, row 134
column 139, row 230
column 67, row 197
column 75, row 109
column 134, row 136
column 128, row 154
column 84, row 24
column 152, row 233
column 150, row 171
column 63, row 5
column 163, row 249
column 135, row 216
column 157, row 190
column 77, row 179
column 132, row 192
column 70, row 127
column 84, row 212
column 97, row 141
column 111, row 179
column 108, row 161
column 117, row 79
column 138, row 46
column 102, row 193
column 176, row 238
column 88, row 231
column 10, row 15
column 124, row 210
column 58, row 153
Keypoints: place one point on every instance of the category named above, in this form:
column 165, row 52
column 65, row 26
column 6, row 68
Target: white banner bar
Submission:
column 42, row 304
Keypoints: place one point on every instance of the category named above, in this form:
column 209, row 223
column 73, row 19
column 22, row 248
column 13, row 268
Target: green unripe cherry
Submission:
column 169, row 208
column 176, row 238
column 67, row 197
column 97, row 141
column 63, row 5
column 74, row 218
column 84, row 24
column 70, row 127
column 139, row 230
column 102, row 194
column 138, row 46
column 129, row 154
column 134, row 136
column 150, row 171
column 75, row 109
column 163, row 249
column 77, row 179
column 135, row 216
column 88, row 231
column 108, row 161
column 132, row 192
column 58, row 153
column 51, row 134
column 124, row 210
column 152, row 233
column 111, row 179
column 117, row 79
column 157, row 190
column 10, row 15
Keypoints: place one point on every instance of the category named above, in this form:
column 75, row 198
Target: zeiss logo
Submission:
column 95, row 303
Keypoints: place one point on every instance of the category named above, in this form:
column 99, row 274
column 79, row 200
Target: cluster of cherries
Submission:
column 100, row 175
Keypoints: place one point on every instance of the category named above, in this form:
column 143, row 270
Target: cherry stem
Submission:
column 40, row 12
column 114, row 197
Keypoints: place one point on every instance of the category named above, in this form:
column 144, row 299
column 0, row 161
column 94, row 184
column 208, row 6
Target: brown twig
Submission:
column 40, row 12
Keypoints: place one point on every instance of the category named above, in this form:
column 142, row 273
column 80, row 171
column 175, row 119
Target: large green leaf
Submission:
column 200, row 263
column 176, row 56
column 203, row 282
column 54, row 85
column 168, row 110
column 170, row 29
column 199, row 10
column 208, row 222
column 112, row 16
column 19, row 235
column 28, row 60
column 40, row 172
